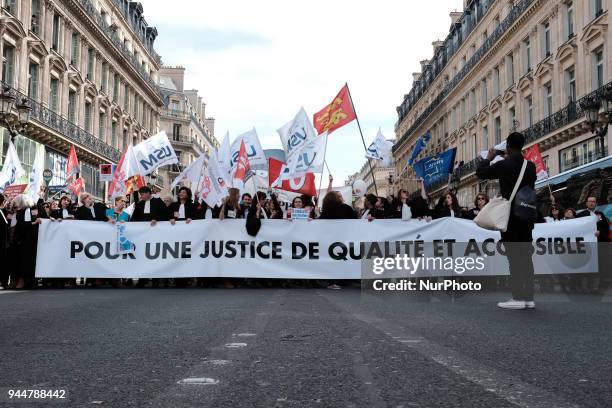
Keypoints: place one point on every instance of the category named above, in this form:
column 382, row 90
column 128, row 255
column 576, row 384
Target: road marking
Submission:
column 217, row 362
column 198, row 381
column 235, row 345
column 244, row 335
column 490, row 379
column 8, row 291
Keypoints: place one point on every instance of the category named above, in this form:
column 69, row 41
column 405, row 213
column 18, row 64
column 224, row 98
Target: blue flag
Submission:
column 420, row 145
column 435, row 168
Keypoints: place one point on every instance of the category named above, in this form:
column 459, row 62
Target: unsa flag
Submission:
column 380, row 148
column 310, row 158
column 304, row 184
column 337, row 114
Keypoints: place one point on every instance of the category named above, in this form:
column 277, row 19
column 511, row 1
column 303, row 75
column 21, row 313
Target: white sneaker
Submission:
column 512, row 304
column 529, row 304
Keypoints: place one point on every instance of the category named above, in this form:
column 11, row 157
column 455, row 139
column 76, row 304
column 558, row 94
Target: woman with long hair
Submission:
column 23, row 237
column 183, row 209
column 334, row 208
column 554, row 214
column 480, row 201
column 231, row 205
column 448, row 206
column 64, row 210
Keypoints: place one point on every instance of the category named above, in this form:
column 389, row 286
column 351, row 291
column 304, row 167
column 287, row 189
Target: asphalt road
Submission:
column 303, row 348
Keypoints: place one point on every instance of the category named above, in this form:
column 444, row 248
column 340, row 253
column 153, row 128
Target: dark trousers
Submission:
column 518, row 244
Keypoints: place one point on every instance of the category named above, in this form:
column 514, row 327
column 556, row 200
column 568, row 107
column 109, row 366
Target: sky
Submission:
column 256, row 63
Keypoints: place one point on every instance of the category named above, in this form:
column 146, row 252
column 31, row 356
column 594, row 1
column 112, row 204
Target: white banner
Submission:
column 11, row 168
column 152, row 153
column 320, row 249
column 255, row 152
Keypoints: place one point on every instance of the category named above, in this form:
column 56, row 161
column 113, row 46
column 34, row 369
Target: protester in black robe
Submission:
column 90, row 210
column 4, row 226
column 23, row 235
column 148, row 208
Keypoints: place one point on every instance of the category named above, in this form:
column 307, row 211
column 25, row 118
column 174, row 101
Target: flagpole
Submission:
column 362, row 139
column 323, row 171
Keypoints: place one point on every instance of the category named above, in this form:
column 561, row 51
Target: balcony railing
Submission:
column 203, row 130
column 501, row 29
column 176, row 113
column 113, row 36
column 68, row 129
column 569, row 114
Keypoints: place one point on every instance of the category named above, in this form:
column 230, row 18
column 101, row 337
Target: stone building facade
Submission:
column 90, row 71
column 184, row 119
column 506, row 65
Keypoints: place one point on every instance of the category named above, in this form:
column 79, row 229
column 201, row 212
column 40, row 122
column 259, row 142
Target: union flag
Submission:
column 337, row 114
column 243, row 166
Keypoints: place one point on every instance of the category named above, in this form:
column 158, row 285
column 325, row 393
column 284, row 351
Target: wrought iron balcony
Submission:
column 176, row 113
column 113, row 36
column 514, row 14
column 72, row 132
column 203, row 130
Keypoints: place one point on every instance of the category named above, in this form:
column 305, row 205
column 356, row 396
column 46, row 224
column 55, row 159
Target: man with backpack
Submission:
column 518, row 239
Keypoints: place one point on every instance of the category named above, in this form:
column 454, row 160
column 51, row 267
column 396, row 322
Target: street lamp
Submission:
column 591, row 106
column 23, row 107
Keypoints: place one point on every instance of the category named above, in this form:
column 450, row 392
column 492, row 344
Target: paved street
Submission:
column 304, row 348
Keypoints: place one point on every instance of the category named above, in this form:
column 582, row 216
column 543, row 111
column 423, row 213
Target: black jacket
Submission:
column 507, row 172
column 602, row 226
column 191, row 210
column 59, row 214
column 84, row 213
column 343, row 211
column 158, row 211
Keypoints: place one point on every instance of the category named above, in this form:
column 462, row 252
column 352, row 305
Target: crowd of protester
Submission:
column 20, row 219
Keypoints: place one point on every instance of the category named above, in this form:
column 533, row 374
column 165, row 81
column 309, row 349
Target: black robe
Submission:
column 158, row 211
column 84, row 213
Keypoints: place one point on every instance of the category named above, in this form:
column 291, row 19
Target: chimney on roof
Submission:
column 416, row 76
column 455, row 16
column 436, row 45
column 423, row 64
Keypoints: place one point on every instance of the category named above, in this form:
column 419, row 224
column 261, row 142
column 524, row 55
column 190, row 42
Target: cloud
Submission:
column 257, row 63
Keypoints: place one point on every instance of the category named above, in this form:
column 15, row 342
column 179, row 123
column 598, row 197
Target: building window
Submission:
column 116, row 88
column 528, row 111
column 90, row 63
column 570, row 84
column 569, row 20
column 473, row 102
column 526, row 55
column 57, row 163
column 474, row 152
column 497, row 130
column 55, row 39
column 176, row 132
column 8, row 64
column 598, row 69
column 597, row 7
column 126, row 97
column 512, row 120
column 125, row 139
column 114, row 133
column 101, row 125
column 510, row 70
column 35, row 22
column 483, row 92
column 548, row 101
column 582, row 153
column 33, row 81
column 72, row 97
column 88, row 117
column 496, row 82
column 53, row 94
column 545, row 39
column 11, row 6
column 104, row 81
column 74, row 49
column 485, row 137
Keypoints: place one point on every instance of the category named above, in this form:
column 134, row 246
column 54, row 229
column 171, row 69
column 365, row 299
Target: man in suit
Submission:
column 518, row 237
column 90, row 211
column 149, row 208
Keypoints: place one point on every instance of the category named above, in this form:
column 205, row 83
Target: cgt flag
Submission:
column 533, row 154
column 435, row 168
column 335, row 115
column 301, row 185
column 74, row 183
column 243, row 166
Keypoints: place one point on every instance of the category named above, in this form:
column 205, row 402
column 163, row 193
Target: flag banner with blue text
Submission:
column 320, row 249
column 435, row 168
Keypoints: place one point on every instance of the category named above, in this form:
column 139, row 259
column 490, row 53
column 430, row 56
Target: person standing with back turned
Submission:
column 518, row 236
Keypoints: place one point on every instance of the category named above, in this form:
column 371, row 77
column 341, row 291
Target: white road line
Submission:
column 492, row 380
column 8, row 292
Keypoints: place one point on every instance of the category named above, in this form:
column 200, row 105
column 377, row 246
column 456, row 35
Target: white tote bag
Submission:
column 495, row 215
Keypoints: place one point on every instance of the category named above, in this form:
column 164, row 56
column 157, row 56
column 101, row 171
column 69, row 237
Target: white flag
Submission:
column 212, row 186
column 224, row 156
column 152, row 153
column 296, row 133
column 380, row 148
column 253, row 148
column 501, row 146
column 36, row 178
column 308, row 159
column 11, row 168
column 191, row 173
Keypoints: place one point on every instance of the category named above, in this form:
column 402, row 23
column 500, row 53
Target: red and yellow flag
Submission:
column 335, row 115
